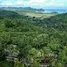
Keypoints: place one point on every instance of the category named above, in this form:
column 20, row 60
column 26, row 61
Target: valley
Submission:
column 32, row 39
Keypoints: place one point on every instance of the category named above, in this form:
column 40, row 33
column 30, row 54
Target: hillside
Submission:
column 12, row 21
column 28, row 11
column 57, row 22
column 27, row 41
column 9, row 14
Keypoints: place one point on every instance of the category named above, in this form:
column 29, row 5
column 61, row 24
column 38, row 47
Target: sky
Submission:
column 34, row 3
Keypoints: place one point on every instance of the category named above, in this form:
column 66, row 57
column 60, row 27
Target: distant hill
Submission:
column 33, row 9
column 22, row 8
column 10, row 14
column 56, row 22
column 59, row 21
column 12, row 21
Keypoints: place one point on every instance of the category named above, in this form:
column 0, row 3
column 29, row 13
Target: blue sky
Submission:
column 35, row 3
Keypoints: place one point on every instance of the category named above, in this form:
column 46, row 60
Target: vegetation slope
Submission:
column 32, row 41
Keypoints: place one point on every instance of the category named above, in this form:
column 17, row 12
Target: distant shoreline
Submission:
column 55, row 10
column 37, row 10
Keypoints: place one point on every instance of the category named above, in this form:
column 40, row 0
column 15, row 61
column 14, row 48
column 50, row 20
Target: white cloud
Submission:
column 19, row 2
column 44, row 3
column 35, row 3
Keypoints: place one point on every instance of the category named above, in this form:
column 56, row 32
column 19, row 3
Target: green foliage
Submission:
column 59, row 65
column 5, row 64
column 18, row 64
column 33, row 41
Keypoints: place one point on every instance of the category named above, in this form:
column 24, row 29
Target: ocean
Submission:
column 55, row 10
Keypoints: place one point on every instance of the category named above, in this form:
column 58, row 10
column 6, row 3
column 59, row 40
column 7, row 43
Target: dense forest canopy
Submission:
column 33, row 42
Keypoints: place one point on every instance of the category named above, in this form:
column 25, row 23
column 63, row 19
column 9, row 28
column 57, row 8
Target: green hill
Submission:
column 12, row 21
column 9, row 13
column 32, row 41
column 57, row 22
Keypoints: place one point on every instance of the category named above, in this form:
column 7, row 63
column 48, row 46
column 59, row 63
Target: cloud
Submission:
column 45, row 3
column 34, row 3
